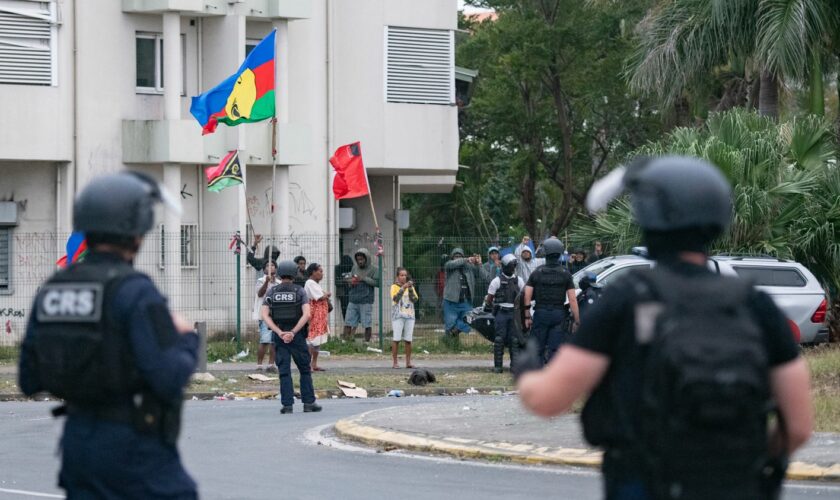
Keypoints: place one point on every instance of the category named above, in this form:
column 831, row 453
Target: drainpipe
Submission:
column 172, row 171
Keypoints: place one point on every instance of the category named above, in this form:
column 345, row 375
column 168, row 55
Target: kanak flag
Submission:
column 350, row 175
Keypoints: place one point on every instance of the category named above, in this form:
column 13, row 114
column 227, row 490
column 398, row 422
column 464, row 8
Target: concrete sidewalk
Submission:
column 498, row 427
column 350, row 364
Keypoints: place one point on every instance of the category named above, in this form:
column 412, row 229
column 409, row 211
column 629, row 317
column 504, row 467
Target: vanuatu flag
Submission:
column 227, row 173
column 246, row 96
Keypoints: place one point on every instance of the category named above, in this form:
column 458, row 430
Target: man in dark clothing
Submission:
column 300, row 274
column 101, row 337
column 597, row 254
column 364, row 279
column 286, row 312
column 501, row 298
column 342, row 287
column 682, row 204
column 270, row 252
column 578, row 261
column 550, row 286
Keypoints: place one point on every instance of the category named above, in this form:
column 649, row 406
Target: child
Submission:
column 403, row 296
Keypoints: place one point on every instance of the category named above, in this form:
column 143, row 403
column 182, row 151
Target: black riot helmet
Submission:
column 286, row 269
column 671, row 193
column 119, row 204
column 509, row 264
column 587, row 280
column 681, row 203
column 553, row 247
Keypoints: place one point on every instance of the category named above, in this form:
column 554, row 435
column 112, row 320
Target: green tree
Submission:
column 786, row 187
column 549, row 111
column 749, row 45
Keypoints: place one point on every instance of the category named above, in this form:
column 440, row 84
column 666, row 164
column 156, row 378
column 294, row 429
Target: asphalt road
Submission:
column 247, row 450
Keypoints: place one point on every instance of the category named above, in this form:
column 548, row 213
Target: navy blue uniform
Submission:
column 109, row 458
column 551, row 283
column 296, row 349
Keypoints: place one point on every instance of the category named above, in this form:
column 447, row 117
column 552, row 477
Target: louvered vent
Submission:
column 420, row 66
column 26, row 42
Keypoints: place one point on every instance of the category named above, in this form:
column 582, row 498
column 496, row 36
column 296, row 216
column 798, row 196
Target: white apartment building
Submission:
column 95, row 86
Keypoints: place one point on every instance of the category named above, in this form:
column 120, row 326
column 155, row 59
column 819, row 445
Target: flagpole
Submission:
column 379, row 251
column 273, row 175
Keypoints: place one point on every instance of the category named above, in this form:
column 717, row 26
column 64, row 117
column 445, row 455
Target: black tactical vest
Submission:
column 508, row 290
column 285, row 309
column 550, row 290
column 82, row 354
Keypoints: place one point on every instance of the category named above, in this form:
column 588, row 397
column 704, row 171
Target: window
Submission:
column 5, row 259
column 28, row 33
column 189, row 246
column 609, row 278
column 250, row 45
column 771, row 276
column 419, row 66
column 149, row 64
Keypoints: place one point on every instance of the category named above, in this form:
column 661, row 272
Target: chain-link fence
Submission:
column 204, row 286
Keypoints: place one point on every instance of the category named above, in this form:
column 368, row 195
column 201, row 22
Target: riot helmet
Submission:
column 553, row 247
column 509, row 264
column 120, row 204
column 587, row 280
column 671, row 193
column 286, row 269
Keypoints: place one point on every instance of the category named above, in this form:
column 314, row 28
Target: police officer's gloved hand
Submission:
column 528, row 360
column 488, row 308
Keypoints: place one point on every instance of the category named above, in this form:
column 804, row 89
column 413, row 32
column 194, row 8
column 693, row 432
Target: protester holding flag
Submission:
column 364, row 278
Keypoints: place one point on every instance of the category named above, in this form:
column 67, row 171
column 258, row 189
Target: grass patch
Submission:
column 227, row 349
column 824, row 363
column 431, row 346
column 9, row 354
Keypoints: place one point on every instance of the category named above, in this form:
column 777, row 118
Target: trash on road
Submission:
column 218, row 361
column 425, row 351
column 466, row 408
column 203, row 377
column 350, row 390
column 232, row 381
column 396, row 393
column 472, row 390
column 374, row 349
column 261, row 377
column 325, row 354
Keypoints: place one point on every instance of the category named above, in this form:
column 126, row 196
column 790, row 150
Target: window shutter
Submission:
column 27, row 42
column 5, row 253
column 419, row 66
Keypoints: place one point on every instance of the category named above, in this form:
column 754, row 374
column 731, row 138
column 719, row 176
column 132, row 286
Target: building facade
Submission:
column 96, row 86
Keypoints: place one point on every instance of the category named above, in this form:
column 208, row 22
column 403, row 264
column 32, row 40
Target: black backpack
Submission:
column 706, row 389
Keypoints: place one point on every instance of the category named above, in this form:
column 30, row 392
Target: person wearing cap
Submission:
column 286, row 311
column 501, row 299
column 102, row 338
column 489, row 270
column 681, row 366
column 459, row 290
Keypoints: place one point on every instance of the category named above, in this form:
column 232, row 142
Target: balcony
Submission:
column 193, row 7
column 180, row 141
column 435, row 184
column 278, row 9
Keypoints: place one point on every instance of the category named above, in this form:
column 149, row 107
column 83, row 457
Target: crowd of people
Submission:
column 468, row 282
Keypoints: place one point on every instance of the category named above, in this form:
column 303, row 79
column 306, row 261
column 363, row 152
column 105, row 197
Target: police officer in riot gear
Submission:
column 550, row 286
column 682, row 204
column 286, row 312
column 101, row 337
column 501, row 297
column 589, row 292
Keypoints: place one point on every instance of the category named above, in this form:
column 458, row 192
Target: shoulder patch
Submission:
column 70, row 302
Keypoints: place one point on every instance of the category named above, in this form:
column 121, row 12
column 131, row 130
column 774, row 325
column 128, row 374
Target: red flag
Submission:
column 350, row 175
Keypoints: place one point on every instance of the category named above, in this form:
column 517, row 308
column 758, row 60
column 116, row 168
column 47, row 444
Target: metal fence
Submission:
column 204, row 286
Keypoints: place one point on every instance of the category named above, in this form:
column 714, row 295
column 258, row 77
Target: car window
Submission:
column 771, row 276
column 620, row 272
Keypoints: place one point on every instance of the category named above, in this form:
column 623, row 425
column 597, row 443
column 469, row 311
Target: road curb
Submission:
column 354, row 429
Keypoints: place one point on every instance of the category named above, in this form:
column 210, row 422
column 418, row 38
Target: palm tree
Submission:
column 786, row 186
column 682, row 43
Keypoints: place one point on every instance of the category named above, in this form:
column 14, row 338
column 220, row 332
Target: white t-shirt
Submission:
column 313, row 290
column 259, row 300
column 496, row 283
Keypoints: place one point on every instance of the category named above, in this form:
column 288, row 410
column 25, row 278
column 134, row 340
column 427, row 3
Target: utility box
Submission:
column 402, row 219
column 8, row 213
